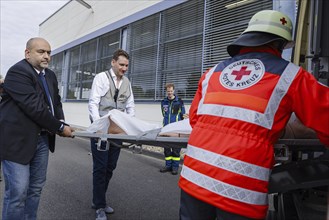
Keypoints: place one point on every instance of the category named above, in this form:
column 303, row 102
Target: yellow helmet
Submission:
column 273, row 22
column 264, row 27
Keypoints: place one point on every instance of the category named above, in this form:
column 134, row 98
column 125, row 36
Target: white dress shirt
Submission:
column 99, row 88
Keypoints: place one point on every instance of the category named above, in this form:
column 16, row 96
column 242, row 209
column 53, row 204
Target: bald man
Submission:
column 31, row 116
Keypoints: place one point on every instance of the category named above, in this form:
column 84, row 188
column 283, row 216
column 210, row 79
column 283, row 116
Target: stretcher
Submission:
column 300, row 163
column 295, row 158
column 118, row 126
column 150, row 138
column 153, row 138
column 302, row 167
column 135, row 131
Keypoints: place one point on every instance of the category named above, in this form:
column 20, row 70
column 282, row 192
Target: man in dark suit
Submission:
column 31, row 115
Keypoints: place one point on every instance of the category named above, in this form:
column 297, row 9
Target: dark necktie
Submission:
column 45, row 86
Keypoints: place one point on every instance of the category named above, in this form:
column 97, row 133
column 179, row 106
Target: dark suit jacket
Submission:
column 24, row 112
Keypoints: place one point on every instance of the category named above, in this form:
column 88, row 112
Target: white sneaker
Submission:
column 107, row 209
column 100, row 214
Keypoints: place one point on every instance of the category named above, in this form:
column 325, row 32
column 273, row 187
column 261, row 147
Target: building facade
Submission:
column 168, row 41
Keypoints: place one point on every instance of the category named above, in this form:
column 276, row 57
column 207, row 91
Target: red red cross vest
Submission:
column 238, row 112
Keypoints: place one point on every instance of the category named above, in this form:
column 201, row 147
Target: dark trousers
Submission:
column 172, row 152
column 194, row 209
column 172, row 157
column 104, row 162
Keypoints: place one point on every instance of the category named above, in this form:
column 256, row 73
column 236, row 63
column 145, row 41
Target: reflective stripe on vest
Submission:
column 227, row 163
column 224, row 189
column 262, row 119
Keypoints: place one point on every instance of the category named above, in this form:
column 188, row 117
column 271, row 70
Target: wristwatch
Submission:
column 61, row 128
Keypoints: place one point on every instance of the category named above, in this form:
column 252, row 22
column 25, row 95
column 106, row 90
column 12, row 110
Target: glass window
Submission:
column 144, row 57
column 74, row 56
column 86, row 86
column 74, row 70
column 176, row 45
column 88, row 51
column 56, row 65
column 73, row 91
column 107, row 45
column 223, row 26
column 88, row 59
column 144, row 33
column 124, row 37
column 88, row 71
column 75, row 74
column 176, row 59
column 103, row 65
column 181, row 55
column 143, row 85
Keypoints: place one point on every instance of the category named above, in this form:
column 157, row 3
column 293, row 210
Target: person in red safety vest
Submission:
column 239, row 110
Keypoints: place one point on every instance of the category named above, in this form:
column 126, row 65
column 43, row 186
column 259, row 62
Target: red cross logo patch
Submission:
column 239, row 74
column 242, row 74
column 283, row 21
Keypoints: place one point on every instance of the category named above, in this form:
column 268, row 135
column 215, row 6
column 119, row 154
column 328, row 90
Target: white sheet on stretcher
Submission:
column 130, row 125
column 177, row 128
column 134, row 126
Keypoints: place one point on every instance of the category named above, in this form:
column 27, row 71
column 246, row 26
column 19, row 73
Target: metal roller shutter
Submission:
column 224, row 21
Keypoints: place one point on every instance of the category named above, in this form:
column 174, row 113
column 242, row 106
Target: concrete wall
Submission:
column 77, row 113
column 74, row 20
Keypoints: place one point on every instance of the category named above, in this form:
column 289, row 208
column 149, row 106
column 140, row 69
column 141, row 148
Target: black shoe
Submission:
column 165, row 169
column 174, row 172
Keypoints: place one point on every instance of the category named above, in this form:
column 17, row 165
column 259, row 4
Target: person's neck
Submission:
column 264, row 48
column 39, row 70
column 119, row 77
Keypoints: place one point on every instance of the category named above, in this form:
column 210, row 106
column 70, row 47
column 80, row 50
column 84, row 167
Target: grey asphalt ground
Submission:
column 137, row 191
